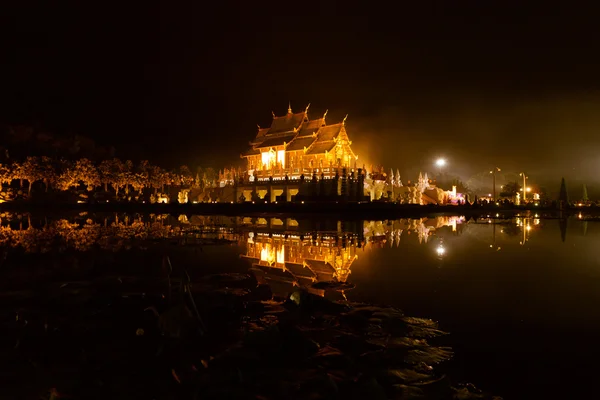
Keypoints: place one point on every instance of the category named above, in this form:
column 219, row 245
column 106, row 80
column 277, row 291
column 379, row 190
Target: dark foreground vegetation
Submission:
column 167, row 335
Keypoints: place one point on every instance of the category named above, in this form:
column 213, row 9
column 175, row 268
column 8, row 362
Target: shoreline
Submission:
column 349, row 210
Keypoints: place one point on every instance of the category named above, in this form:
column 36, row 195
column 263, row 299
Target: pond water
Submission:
column 520, row 297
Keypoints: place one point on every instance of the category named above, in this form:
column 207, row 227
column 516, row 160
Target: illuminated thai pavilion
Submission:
column 294, row 145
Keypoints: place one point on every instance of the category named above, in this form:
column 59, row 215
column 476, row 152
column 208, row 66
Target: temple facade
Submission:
column 302, row 159
column 295, row 145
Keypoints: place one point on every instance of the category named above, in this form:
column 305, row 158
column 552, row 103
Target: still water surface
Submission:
column 520, row 297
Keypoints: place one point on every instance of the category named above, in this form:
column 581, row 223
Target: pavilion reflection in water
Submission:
column 293, row 257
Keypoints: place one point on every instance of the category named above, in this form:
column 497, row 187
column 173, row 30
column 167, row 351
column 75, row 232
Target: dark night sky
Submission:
column 480, row 84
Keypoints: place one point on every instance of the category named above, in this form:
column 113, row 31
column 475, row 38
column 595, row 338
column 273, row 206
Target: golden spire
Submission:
column 258, row 126
column 289, row 107
column 306, row 110
column 272, row 112
column 345, row 118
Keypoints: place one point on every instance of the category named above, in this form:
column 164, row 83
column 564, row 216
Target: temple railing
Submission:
column 296, row 173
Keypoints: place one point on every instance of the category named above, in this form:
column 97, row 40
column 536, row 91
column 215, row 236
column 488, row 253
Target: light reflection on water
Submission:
column 514, row 293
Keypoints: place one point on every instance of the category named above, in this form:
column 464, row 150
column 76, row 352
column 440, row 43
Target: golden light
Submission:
column 281, row 256
column 528, row 227
column 281, row 158
column 267, row 158
column 440, row 250
column 440, row 162
column 529, row 189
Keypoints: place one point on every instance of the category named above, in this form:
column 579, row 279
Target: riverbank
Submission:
column 349, row 210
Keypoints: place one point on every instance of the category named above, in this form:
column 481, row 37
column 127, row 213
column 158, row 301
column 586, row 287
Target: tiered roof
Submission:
column 297, row 132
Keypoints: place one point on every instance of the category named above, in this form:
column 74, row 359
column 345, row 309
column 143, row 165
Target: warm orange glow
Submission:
column 268, row 158
column 281, row 158
column 281, row 256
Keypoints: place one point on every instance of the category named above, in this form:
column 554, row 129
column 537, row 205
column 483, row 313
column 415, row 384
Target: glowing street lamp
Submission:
column 440, row 162
column 525, row 177
column 493, row 172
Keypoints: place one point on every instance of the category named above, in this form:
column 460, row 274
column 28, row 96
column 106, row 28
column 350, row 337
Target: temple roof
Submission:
column 321, row 147
column 260, row 136
column 329, row 132
column 298, row 132
column 251, row 152
column 276, row 141
column 310, row 127
column 287, row 123
column 325, row 139
column 319, row 266
column 300, row 143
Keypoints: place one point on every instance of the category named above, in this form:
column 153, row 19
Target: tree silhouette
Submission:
column 584, row 196
column 107, row 173
column 510, row 189
column 185, row 176
column 64, row 174
column 18, row 172
column 31, row 169
column 48, row 171
column 563, row 197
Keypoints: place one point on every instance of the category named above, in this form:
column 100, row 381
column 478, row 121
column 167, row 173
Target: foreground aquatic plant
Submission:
column 255, row 346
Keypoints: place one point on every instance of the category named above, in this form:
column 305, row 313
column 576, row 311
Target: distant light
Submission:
column 529, row 189
column 440, row 162
column 497, row 215
column 302, row 201
column 489, row 195
column 528, row 227
column 440, row 250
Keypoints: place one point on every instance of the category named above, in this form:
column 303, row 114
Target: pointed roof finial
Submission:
column 306, row 110
column 345, row 118
column 258, row 126
column 272, row 112
column 289, row 107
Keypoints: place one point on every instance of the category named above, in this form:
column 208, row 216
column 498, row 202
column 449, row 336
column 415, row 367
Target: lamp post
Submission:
column 440, row 162
column 493, row 172
column 525, row 177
